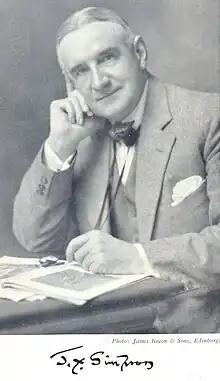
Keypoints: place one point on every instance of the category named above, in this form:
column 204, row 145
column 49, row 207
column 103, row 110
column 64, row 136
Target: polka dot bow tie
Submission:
column 125, row 132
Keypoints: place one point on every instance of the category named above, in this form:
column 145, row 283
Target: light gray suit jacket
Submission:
column 179, row 138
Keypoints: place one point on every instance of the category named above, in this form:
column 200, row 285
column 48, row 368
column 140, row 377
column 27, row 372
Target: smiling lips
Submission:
column 107, row 95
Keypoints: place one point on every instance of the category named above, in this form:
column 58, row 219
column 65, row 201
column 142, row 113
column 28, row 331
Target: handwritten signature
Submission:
column 77, row 364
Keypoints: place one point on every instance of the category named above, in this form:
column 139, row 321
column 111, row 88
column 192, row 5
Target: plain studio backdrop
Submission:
column 182, row 40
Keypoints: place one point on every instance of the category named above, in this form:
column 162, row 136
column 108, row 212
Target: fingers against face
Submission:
column 78, row 101
column 69, row 85
column 73, row 108
column 66, row 106
column 76, row 96
column 77, row 108
column 82, row 101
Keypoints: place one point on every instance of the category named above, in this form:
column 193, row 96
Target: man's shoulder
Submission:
column 197, row 102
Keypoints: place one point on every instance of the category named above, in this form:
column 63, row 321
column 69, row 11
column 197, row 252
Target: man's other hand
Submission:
column 71, row 121
column 99, row 252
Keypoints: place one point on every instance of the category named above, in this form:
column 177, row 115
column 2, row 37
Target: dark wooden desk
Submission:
column 131, row 309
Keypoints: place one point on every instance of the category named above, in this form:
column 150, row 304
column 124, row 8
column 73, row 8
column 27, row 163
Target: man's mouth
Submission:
column 107, row 95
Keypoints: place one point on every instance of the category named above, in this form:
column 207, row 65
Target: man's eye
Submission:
column 107, row 57
column 80, row 72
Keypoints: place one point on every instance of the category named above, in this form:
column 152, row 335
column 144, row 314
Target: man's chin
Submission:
column 113, row 114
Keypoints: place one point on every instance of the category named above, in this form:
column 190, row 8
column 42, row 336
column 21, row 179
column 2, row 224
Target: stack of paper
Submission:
column 68, row 282
column 10, row 266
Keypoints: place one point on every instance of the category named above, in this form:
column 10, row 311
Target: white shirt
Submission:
column 123, row 153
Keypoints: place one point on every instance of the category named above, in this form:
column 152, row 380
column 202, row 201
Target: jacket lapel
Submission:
column 153, row 152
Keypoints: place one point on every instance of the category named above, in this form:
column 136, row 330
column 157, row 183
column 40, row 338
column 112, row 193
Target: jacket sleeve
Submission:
column 43, row 209
column 194, row 258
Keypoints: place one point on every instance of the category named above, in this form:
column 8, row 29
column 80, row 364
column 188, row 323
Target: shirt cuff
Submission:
column 53, row 162
column 147, row 266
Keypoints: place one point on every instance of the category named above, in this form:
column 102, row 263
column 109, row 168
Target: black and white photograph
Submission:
column 110, row 167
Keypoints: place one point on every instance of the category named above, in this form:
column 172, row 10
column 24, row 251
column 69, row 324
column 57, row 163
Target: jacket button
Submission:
column 40, row 190
column 41, row 187
column 43, row 180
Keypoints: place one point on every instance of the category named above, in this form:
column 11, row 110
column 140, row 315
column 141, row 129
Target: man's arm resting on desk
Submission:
column 52, row 170
column 53, row 162
column 41, row 218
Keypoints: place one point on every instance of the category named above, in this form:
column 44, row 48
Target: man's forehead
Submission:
column 90, row 39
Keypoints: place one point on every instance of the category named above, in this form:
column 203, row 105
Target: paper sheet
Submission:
column 10, row 266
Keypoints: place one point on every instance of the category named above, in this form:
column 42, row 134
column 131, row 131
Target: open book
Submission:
column 68, row 282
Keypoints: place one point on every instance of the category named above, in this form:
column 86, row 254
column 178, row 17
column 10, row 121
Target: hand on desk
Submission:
column 102, row 253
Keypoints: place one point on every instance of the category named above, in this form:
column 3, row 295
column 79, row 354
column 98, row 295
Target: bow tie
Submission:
column 125, row 132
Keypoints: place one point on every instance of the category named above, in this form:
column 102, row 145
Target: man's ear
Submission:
column 140, row 50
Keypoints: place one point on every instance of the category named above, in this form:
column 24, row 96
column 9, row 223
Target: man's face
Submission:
column 103, row 68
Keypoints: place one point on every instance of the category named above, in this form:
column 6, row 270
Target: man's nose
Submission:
column 99, row 80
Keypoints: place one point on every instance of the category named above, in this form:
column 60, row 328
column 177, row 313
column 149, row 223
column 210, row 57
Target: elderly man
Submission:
column 128, row 180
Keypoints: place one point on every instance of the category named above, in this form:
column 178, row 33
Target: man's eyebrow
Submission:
column 107, row 51
column 111, row 50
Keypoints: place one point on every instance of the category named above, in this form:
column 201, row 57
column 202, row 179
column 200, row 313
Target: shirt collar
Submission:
column 137, row 114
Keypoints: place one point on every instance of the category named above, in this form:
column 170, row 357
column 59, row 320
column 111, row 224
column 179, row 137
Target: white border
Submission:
column 28, row 358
